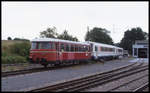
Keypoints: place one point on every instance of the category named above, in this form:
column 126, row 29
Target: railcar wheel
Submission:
column 56, row 64
column 45, row 65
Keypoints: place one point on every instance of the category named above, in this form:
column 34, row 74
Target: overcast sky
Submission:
column 28, row 19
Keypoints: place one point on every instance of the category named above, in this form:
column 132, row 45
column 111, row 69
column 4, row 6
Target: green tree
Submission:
column 98, row 35
column 49, row 33
column 117, row 44
column 66, row 36
column 130, row 36
column 9, row 38
column 21, row 39
column 87, row 36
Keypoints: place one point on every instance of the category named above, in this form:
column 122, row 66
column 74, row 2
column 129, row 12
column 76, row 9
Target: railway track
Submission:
column 26, row 71
column 32, row 70
column 94, row 80
column 11, row 73
column 132, row 84
column 141, row 88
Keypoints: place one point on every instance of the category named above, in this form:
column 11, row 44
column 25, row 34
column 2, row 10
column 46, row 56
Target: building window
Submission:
column 135, row 51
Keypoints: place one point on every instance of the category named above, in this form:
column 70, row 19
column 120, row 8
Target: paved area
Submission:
column 23, row 82
column 145, row 60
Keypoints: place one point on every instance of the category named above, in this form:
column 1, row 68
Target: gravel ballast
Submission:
column 33, row 80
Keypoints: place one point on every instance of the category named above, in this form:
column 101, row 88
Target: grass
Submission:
column 15, row 51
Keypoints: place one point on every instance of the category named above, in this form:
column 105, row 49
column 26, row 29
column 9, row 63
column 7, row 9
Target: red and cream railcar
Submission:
column 56, row 51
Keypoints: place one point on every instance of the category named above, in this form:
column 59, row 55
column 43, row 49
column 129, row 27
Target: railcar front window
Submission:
column 42, row 45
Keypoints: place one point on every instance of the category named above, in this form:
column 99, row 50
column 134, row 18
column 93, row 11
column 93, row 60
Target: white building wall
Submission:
column 138, row 46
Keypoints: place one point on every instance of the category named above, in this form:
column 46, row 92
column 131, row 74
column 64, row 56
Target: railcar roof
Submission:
column 102, row 44
column 57, row 40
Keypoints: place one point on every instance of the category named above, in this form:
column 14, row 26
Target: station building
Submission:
column 140, row 49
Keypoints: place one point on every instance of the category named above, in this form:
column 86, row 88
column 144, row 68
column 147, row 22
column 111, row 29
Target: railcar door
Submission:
column 57, row 51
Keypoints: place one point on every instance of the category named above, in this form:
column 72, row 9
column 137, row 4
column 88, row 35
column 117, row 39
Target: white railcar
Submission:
column 104, row 51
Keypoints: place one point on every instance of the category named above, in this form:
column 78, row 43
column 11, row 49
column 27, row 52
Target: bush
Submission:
column 21, row 49
column 4, row 60
column 13, row 59
column 4, row 54
column 20, row 59
column 16, row 53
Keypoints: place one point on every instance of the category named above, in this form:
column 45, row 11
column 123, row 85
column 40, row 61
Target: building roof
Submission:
column 141, row 41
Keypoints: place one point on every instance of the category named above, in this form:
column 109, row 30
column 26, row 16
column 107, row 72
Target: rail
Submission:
column 141, row 88
column 93, row 80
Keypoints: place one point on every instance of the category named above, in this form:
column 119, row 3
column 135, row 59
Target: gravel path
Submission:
column 23, row 82
column 16, row 67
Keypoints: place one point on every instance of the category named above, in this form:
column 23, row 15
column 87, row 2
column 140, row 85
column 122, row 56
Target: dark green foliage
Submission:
column 66, row 36
column 98, row 35
column 49, row 33
column 117, row 44
column 9, row 38
column 13, row 59
column 4, row 54
column 16, row 38
column 21, row 49
column 130, row 36
column 16, row 53
column 21, row 39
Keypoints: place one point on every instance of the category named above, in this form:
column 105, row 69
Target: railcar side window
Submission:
column 42, row 45
column 62, row 47
column 80, row 48
column 45, row 45
column 72, row 47
column 102, row 48
column 119, row 50
column 86, row 48
column 113, row 49
column 95, row 48
column 76, row 48
column 34, row 45
column 67, row 47
column 52, row 45
column 91, row 47
column 105, row 48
